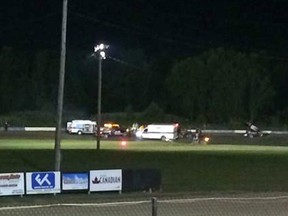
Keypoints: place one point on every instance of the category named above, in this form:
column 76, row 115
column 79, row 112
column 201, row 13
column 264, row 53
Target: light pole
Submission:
column 101, row 55
column 57, row 146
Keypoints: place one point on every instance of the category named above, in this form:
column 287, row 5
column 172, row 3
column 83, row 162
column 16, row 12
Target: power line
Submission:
column 27, row 22
column 126, row 63
column 137, row 32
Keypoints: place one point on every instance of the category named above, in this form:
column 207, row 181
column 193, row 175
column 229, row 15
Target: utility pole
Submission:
column 57, row 147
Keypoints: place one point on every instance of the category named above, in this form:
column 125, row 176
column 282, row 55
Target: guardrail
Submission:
column 36, row 129
column 244, row 131
column 40, row 128
column 47, row 129
column 240, row 132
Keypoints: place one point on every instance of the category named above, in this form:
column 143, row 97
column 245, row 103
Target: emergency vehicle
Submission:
column 81, row 127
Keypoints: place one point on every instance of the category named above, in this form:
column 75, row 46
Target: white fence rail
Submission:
column 210, row 131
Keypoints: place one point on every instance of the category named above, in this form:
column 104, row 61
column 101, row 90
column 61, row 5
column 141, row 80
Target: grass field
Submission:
column 240, row 166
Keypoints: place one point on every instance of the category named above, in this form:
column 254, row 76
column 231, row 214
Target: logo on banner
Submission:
column 43, row 180
column 96, row 180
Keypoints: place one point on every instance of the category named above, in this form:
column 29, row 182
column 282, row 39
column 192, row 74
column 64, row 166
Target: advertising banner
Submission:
column 42, row 182
column 11, row 184
column 75, row 181
column 105, row 180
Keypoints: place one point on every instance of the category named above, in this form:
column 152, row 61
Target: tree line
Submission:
column 216, row 86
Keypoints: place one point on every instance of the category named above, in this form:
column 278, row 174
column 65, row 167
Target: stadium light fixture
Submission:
column 100, row 50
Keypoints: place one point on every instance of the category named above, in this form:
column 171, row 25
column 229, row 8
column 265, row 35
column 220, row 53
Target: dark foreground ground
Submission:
column 267, row 174
column 209, row 204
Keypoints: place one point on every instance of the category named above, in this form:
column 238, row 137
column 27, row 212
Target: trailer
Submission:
column 164, row 132
column 81, row 127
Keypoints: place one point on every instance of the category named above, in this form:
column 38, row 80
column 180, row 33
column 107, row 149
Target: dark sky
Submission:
column 152, row 25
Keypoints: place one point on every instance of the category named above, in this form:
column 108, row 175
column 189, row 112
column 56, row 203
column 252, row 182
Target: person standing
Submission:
column 6, row 125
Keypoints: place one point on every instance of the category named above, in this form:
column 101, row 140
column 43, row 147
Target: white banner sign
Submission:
column 75, row 181
column 105, row 180
column 11, row 184
column 42, row 182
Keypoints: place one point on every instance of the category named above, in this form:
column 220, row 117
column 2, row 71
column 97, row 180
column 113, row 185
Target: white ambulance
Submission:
column 164, row 132
column 81, row 127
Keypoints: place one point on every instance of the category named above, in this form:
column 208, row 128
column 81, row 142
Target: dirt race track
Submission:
column 264, row 204
column 236, row 139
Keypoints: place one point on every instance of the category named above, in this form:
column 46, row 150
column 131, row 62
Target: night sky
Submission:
column 190, row 26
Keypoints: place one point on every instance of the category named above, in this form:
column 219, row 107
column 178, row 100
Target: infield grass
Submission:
column 184, row 167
